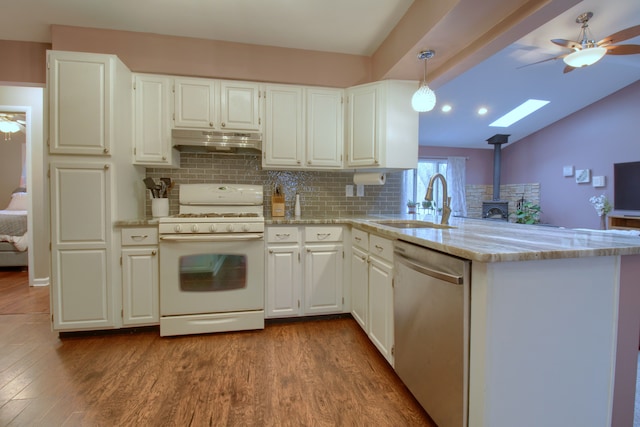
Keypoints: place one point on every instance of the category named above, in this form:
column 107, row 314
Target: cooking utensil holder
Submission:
column 159, row 207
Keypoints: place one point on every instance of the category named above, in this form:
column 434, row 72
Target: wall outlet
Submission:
column 360, row 190
column 348, row 190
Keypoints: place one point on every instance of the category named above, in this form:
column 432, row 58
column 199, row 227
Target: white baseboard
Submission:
column 43, row 281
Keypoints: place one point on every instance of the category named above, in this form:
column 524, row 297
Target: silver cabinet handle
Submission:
column 283, row 234
column 379, row 248
column 139, row 237
column 357, row 238
column 323, row 236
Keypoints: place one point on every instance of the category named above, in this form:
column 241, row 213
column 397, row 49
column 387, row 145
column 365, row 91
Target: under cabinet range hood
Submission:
column 230, row 142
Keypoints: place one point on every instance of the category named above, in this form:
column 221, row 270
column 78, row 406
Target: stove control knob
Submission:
column 177, row 228
column 245, row 227
column 195, row 228
column 230, row 228
column 212, row 228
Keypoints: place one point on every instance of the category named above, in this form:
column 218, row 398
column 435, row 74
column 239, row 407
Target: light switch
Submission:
column 360, row 190
column 567, row 171
column 348, row 190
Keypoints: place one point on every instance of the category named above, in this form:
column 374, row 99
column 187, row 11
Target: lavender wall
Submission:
column 595, row 138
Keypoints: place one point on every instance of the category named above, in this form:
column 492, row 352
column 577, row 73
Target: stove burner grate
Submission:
column 218, row 215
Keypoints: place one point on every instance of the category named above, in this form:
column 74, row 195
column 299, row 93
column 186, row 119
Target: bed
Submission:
column 13, row 231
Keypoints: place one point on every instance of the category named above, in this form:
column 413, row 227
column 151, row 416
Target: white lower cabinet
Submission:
column 81, row 292
column 140, row 284
column 372, row 289
column 283, row 273
column 360, row 277
column 304, row 285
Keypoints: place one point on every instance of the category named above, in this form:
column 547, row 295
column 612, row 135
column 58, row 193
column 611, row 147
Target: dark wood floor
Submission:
column 312, row 373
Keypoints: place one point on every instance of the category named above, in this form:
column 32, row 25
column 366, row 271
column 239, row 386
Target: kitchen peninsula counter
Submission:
column 488, row 240
column 549, row 323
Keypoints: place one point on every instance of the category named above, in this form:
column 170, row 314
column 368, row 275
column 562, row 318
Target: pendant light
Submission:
column 424, row 99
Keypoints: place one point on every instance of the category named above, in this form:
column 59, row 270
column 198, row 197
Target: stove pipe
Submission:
column 497, row 140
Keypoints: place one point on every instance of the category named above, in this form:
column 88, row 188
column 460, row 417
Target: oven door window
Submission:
column 212, row 272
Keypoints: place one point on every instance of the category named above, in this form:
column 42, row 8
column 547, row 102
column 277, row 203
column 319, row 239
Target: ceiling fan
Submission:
column 587, row 51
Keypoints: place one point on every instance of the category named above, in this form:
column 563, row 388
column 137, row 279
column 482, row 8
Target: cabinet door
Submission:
column 381, row 306
column 153, row 121
column 195, row 103
column 283, row 127
column 240, row 105
column 323, row 278
column 80, row 103
column 81, row 246
column 140, row 288
column 324, row 127
column 359, row 286
column 283, row 281
column 363, row 136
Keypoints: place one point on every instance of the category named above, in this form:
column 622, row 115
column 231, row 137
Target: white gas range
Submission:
column 212, row 261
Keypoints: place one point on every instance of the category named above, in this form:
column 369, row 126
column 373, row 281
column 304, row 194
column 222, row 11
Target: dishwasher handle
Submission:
column 450, row 278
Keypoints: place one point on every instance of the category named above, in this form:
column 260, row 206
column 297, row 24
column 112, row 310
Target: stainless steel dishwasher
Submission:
column 431, row 318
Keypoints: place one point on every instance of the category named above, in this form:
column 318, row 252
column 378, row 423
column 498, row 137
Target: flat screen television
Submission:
column 626, row 186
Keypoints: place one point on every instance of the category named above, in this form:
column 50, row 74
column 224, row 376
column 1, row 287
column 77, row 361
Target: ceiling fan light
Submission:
column 424, row 99
column 9, row 127
column 585, row 57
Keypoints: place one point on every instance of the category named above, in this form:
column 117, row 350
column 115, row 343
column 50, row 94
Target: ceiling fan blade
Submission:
column 626, row 34
column 623, row 49
column 567, row 43
column 544, row 60
column 568, row 69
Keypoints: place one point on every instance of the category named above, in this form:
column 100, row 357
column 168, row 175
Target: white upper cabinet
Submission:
column 382, row 126
column 304, row 127
column 324, row 127
column 240, row 106
column 195, row 103
column 283, row 144
column 152, row 121
column 81, row 102
column 217, row 104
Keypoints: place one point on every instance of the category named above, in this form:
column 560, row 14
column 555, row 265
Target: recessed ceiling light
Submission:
column 518, row 113
column 446, row 108
column 482, row 111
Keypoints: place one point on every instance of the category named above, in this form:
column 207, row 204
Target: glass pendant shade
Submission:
column 585, row 57
column 424, row 99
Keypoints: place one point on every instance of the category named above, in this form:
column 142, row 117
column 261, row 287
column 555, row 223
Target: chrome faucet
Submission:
column 446, row 210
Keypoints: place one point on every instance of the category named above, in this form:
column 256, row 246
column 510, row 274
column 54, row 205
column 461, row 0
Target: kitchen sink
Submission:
column 410, row 223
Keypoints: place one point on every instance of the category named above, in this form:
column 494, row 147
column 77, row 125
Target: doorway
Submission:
column 30, row 102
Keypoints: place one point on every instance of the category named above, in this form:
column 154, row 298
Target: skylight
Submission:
column 518, row 113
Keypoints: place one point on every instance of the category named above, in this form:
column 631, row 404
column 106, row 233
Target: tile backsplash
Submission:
column 321, row 193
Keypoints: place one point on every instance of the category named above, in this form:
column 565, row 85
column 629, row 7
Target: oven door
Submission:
column 211, row 273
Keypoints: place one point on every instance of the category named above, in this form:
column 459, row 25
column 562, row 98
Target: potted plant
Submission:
column 527, row 212
column 411, row 205
column 427, row 204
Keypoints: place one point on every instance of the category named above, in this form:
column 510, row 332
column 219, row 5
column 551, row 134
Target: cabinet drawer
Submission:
column 323, row 234
column 381, row 247
column 282, row 234
column 139, row 236
column 360, row 238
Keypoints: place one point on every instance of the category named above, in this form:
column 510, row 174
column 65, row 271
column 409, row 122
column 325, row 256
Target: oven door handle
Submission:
column 212, row 237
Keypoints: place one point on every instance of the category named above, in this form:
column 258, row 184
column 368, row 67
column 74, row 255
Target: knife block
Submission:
column 277, row 206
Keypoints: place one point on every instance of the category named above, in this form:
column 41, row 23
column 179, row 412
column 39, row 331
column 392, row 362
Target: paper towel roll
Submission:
column 369, row 178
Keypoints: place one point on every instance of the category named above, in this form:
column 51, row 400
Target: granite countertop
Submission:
column 492, row 241
column 475, row 239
